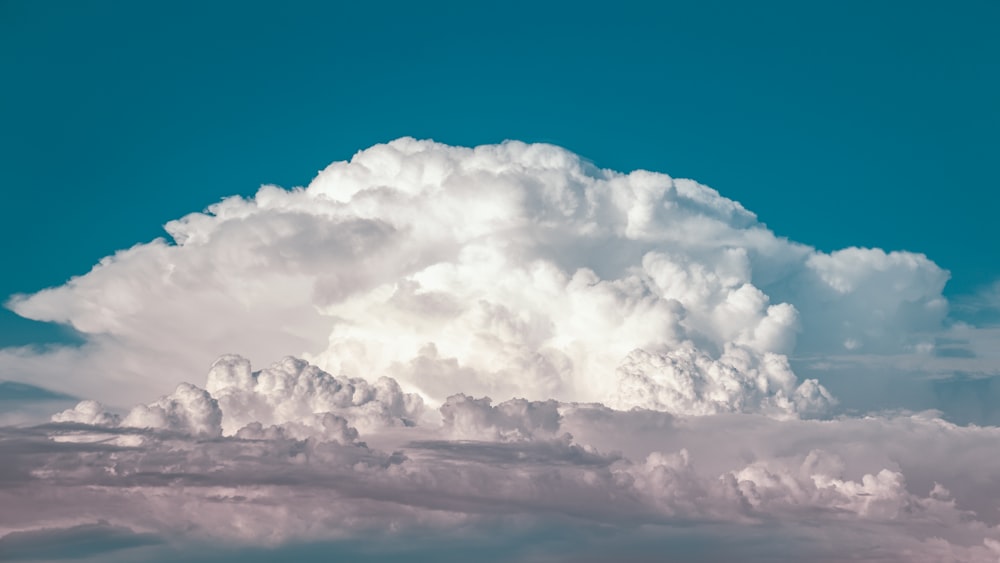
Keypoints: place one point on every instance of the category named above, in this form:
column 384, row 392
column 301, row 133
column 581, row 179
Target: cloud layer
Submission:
column 486, row 341
column 250, row 464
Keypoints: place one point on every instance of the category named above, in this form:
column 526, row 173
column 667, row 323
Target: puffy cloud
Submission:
column 507, row 270
column 292, row 390
column 641, row 336
column 88, row 412
column 290, row 399
column 513, row 420
column 688, row 381
column 188, row 409
column 871, row 300
column 325, row 427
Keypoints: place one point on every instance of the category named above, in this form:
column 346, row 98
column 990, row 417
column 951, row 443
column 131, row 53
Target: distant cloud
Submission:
column 983, row 307
column 13, row 391
column 75, row 542
column 21, row 403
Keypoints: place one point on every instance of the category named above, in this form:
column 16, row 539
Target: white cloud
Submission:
column 636, row 333
column 88, row 412
column 188, row 409
column 507, row 270
column 466, row 417
column 688, row 381
column 292, row 390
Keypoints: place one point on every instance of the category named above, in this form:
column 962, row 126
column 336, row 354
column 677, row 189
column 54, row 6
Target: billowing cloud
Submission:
column 292, row 390
column 475, row 342
column 505, row 270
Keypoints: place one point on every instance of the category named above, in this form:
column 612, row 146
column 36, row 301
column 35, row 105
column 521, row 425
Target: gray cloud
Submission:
column 892, row 487
column 75, row 542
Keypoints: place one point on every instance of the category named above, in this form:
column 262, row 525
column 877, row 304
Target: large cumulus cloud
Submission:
column 508, row 270
column 476, row 342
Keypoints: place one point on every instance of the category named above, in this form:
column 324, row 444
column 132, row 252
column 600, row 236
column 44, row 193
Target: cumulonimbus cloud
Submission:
column 489, row 336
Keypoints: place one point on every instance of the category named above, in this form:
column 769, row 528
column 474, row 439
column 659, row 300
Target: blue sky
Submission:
column 838, row 123
column 485, row 346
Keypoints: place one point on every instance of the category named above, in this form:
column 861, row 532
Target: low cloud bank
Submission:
column 275, row 457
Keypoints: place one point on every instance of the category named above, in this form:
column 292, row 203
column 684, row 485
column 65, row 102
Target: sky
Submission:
column 757, row 239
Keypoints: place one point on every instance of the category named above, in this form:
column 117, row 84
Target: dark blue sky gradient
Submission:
column 838, row 123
